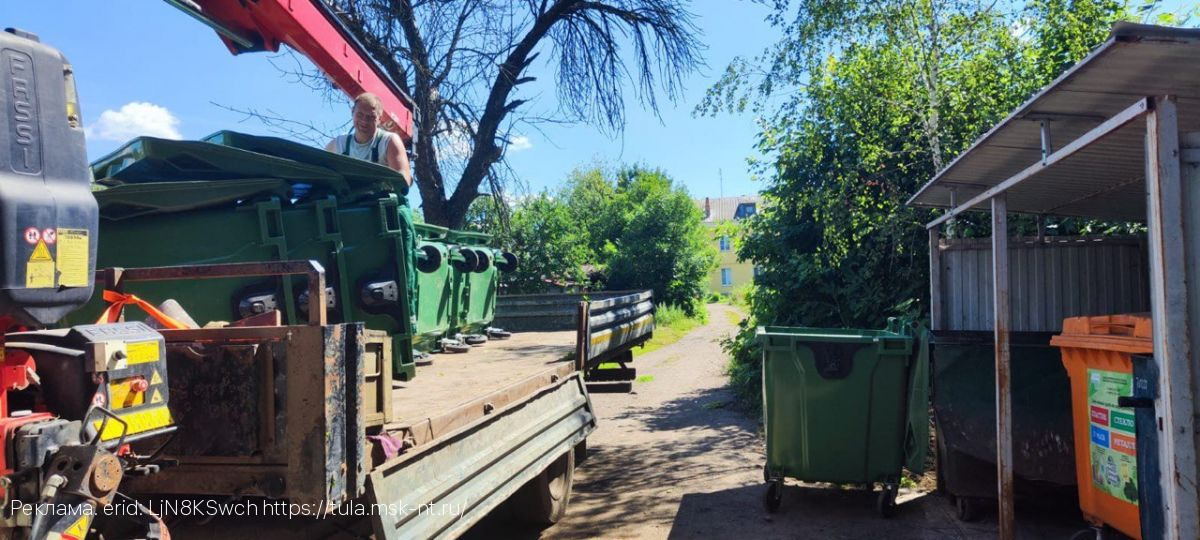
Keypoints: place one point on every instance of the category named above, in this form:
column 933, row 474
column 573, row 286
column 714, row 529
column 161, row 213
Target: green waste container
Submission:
column 474, row 288
column 360, row 245
column 435, row 297
column 844, row 406
column 170, row 203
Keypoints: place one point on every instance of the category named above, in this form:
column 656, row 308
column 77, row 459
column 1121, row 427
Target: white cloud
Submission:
column 518, row 143
column 134, row 120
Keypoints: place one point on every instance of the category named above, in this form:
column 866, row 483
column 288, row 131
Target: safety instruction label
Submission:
column 142, row 353
column 73, row 260
column 1113, row 436
column 39, row 269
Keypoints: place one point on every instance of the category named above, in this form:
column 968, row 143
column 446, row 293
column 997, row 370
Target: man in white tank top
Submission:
column 370, row 143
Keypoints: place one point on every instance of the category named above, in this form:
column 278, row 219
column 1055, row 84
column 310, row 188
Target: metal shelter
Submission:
column 1116, row 137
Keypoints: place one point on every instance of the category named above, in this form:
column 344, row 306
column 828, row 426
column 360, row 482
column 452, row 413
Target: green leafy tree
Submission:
column 661, row 243
column 861, row 103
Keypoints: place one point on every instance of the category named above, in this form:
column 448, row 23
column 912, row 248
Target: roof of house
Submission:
column 717, row 209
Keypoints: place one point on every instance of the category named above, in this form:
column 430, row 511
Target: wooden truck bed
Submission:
column 459, row 388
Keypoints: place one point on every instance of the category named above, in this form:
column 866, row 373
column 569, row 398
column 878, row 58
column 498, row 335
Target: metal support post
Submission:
column 1004, row 461
column 1174, row 311
column 935, row 281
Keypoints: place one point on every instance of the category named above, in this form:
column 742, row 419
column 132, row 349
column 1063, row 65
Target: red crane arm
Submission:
column 311, row 28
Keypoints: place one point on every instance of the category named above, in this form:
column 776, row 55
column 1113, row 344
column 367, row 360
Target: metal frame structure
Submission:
column 1083, row 178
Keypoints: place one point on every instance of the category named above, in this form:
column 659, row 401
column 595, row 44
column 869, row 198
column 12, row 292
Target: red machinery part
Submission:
column 312, row 29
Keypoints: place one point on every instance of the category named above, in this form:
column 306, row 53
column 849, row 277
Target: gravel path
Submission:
column 676, row 459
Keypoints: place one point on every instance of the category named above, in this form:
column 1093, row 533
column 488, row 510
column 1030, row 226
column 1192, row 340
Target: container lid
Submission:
column 149, row 159
column 133, row 200
column 1129, row 333
column 358, row 173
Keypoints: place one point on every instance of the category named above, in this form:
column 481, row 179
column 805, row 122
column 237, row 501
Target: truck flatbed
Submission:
column 458, row 389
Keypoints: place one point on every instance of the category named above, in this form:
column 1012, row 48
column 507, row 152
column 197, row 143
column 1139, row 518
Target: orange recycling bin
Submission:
column 1096, row 353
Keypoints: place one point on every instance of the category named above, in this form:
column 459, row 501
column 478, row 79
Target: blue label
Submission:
column 1100, row 436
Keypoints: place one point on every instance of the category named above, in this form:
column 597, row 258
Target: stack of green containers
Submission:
column 459, row 297
column 171, row 203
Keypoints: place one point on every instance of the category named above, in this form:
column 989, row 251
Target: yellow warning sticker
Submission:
column 141, row 353
column 78, row 530
column 39, row 270
column 156, row 378
column 73, row 260
column 156, row 398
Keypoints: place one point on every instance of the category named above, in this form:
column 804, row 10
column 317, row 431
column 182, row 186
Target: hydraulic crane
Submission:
column 311, row 28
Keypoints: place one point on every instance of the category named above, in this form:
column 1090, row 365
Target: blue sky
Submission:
column 142, row 67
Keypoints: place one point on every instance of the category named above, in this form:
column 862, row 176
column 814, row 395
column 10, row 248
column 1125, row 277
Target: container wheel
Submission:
column 766, row 473
column 886, row 503
column 543, row 501
column 455, row 348
column 968, row 509
column 773, row 496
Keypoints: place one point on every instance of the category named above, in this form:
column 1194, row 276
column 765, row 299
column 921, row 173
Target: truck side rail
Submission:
column 608, row 331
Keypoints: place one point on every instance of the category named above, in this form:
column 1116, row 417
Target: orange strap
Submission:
column 117, row 302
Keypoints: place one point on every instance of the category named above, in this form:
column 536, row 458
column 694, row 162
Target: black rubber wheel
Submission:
column 498, row 333
column 968, row 509
column 766, row 473
column 455, row 348
column 475, row 339
column 885, row 504
column 543, row 501
column 773, row 496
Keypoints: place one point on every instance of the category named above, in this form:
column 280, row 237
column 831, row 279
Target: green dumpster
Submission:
column 844, row 406
column 434, row 287
column 360, row 245
column 473, row 282
column 188, row 202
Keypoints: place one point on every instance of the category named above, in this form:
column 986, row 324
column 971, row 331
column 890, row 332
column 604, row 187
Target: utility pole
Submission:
column 721, row 183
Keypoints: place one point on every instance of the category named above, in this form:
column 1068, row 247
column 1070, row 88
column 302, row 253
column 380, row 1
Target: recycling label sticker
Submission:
column 39, row 269
column 1113, row 444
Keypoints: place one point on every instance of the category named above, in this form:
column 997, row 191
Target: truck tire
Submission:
column 543, row 501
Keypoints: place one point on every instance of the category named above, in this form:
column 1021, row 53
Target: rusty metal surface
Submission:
column 266, row 418
column 1004, row 440
column 114, row 278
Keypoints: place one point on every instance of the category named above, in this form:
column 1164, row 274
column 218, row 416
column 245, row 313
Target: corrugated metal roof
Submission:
column 1104, row 180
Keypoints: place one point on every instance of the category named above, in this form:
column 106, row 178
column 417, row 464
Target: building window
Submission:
column 726, row 277
column 745, row 210
column 724, row 243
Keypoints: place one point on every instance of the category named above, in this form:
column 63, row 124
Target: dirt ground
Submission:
column 677, row 459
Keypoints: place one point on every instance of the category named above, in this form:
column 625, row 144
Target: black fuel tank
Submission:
column 48, row 217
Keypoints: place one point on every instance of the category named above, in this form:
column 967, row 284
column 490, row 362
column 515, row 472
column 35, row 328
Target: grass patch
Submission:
column 735, row 317
column 713, row 405
column 670, row 325
column 644, row 378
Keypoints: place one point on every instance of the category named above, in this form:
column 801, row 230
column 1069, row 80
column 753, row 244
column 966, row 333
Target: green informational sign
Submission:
column 1113, row 437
